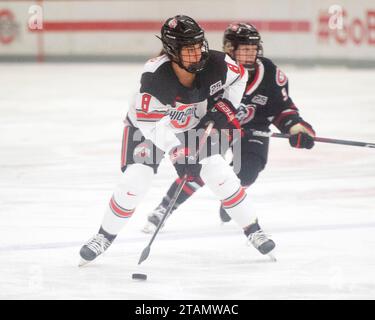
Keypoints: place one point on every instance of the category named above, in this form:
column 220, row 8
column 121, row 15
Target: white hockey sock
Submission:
column 223, row 182
column 133, row 185
column 240, row 208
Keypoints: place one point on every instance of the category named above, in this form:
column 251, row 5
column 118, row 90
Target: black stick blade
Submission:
column 144, row 255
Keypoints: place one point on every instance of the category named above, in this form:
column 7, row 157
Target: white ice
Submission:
column 60, row 140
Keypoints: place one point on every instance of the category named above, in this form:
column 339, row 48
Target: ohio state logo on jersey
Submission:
column 281, row 78
column 182, row 114
column 246, row 113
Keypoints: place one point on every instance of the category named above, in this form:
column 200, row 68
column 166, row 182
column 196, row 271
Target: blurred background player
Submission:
column 265, row 101
column 180, row 91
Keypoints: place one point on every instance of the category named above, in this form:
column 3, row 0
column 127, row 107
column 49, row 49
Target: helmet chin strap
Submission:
column 181, row 65
column 251, row 67
column 189, row 69
column 194, row 67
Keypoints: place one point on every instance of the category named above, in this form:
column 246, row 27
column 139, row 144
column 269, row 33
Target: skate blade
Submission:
column 83, row 262
column 223, row 223
column 272, row 257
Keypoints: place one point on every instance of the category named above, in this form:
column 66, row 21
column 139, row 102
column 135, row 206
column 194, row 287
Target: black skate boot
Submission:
column 259, row 240
column 95, row 247
column 224, row 216
column 154, row 219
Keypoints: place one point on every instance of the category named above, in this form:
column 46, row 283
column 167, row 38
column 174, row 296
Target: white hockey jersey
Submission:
column 164, row 107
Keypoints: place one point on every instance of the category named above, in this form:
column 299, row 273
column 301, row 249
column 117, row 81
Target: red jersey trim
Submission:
column 257, row 79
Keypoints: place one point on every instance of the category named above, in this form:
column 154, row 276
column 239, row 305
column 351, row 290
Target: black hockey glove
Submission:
column 224, row 115
column 184, row 163
column 302, row 135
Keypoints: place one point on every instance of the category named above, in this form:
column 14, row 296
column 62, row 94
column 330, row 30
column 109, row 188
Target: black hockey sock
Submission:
column 109, row 236
column 187, row 191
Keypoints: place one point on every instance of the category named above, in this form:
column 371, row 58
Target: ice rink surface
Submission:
column 60, row 140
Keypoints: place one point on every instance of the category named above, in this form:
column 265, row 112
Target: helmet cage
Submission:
column 242, row 34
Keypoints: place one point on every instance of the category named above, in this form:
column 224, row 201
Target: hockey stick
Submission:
column 257, row 133
column 146, row 250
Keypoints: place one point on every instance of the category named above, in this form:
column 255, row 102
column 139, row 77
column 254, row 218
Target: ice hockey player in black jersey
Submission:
column 265, row 101
column 181, row 90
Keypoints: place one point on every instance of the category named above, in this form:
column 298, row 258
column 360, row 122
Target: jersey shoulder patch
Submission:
column 281, row 78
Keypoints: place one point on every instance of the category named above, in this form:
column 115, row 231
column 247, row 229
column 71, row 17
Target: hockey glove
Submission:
column 302, row 135
column 185, row 163
column 224, row 115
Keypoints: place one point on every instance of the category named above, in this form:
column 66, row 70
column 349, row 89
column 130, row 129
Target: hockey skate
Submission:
column 260, row 241
column 93, row 248
column 154, row 219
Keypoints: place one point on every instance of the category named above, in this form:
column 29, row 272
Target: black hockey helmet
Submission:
column 180, row 31
column 241, row 33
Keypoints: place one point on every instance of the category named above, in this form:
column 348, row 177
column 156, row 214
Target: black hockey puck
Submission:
column 139, row 276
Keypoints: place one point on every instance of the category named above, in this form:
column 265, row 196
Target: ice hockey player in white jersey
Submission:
column 183, row 89
column 265, row 101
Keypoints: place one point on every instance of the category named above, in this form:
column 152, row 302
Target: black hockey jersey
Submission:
column 164, row 107
column 266, row 100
